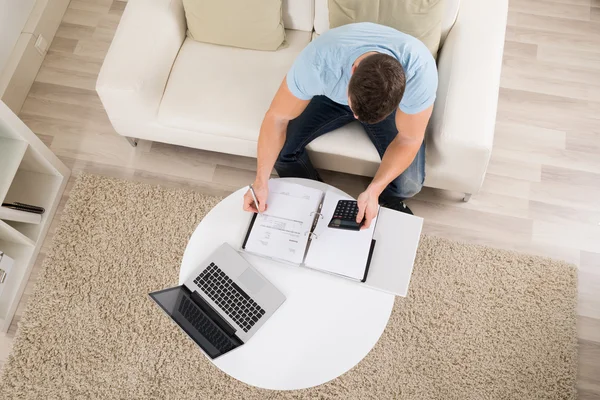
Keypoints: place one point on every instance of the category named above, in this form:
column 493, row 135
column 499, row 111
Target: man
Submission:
column 381, row 77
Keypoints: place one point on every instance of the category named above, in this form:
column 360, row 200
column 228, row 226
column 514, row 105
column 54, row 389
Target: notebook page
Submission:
column 339, row 251
column 280, row 232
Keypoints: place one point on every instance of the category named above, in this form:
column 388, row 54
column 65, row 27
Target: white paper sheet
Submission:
column 281, row 231
column 339, row 251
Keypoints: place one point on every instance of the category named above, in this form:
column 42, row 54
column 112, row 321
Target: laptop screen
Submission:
column 179, row 304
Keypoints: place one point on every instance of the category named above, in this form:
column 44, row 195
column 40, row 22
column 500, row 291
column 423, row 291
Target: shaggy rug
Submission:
column 478, row 323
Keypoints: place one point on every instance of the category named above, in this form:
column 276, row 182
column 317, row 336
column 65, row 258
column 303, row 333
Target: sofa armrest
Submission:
column 461, row 132
column 138, row 63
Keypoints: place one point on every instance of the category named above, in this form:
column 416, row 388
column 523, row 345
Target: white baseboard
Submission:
column 25, row 60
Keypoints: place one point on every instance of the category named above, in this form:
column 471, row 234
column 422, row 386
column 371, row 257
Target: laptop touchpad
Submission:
column 251, row 280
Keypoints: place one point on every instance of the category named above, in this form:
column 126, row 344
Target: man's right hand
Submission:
column 262, row 192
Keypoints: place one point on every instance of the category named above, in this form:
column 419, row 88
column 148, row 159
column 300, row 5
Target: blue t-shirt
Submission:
column 324, row 66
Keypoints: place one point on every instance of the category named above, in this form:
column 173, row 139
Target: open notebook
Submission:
column 294, row 229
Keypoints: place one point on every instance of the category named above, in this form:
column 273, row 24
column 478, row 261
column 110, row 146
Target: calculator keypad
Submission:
column 346, row 209
column 344, row 216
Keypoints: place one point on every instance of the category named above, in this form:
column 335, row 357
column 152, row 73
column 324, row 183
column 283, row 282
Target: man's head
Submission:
column 376, row 87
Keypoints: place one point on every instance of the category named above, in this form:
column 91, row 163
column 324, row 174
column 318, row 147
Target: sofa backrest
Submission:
column 299, row 14
column 322, row 16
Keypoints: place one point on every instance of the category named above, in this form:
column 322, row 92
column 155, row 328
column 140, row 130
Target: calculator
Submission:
column 344, row 216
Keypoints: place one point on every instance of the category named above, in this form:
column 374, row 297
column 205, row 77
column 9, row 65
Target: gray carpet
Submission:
column 478, row 323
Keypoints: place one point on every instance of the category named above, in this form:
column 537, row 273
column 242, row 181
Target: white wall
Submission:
column 13, row 15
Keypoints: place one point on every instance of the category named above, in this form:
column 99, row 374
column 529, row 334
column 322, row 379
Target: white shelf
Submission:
column 29, row 173
column 11, row 155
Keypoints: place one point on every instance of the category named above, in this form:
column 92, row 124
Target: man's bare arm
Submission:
column 284, row 108
column 403, row 149
column 396, row 159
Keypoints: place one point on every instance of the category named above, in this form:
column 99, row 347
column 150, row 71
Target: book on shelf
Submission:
column 24, row 207
column 11, row 214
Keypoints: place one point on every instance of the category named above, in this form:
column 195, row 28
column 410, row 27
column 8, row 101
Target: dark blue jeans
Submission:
column 323, row 115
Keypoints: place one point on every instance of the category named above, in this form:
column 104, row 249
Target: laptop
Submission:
column 222, row 304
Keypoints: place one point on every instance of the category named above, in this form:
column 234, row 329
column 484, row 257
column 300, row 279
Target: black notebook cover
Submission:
column 248, row 231
column 373, row 241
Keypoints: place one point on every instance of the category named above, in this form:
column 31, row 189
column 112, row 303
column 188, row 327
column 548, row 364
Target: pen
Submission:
column 255, row 199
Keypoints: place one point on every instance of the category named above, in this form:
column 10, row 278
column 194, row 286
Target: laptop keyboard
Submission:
column 230, row 297
column 204, row 325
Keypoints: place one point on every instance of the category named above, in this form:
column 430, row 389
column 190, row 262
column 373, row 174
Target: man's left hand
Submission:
column 367, row 207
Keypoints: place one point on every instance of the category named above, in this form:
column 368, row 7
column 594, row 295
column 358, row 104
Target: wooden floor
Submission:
column 541, row 194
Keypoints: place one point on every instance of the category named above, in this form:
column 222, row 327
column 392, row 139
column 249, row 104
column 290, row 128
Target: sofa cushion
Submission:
column 450, row 15
column 322, row 16
column 249, row 24
column 419, row 18
column 299, row 14
column 224, row 90
column 349, row 142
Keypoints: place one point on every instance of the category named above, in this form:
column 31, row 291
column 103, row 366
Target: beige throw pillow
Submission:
column 419, row 18
column 250, row 24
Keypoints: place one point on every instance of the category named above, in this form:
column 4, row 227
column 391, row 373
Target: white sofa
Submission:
column 157, row 84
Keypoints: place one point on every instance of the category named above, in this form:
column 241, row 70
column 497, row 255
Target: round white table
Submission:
column 325, row 327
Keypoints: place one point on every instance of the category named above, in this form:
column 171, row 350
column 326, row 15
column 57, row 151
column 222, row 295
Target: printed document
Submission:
column 282, row 231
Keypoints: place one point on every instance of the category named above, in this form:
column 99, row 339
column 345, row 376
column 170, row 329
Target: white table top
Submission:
column 325, row 327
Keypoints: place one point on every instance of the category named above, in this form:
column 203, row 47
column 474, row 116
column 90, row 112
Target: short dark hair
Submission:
column 376, row 87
